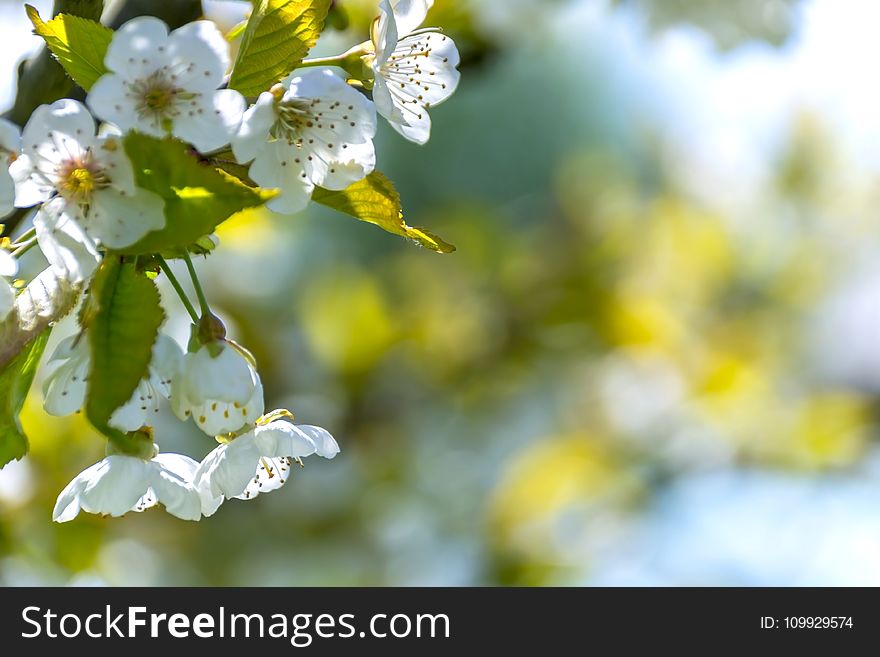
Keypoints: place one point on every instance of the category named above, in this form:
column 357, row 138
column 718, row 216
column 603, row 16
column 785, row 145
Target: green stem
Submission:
column 203, row 301
column 24, row 248
column 25, row 236
column 178, row 288
column 336, row 60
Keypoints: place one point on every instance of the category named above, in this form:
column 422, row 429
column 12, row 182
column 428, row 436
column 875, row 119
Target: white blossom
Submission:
column 218, row 386
column 414, row 69
column 10, row 144
column 258, row 461
column 161, row 83
column 8, row 269
column 319, row 132
column 119, row 484
column 86, row 186
column 64, row 388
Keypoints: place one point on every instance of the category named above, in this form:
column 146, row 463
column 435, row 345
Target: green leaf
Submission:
column 77, row 43
column 197, row 196
column 124, row 325
column 15, row 381
column 375, row 200
column 279, row 34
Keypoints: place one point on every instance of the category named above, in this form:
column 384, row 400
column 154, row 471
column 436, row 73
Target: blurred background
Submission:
column 653, row 359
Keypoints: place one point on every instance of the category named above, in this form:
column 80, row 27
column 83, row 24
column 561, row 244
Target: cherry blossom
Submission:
column 415, row 69
column 167, row 83
column 315, row 130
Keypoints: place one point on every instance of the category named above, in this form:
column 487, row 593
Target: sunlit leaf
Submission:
column 78, row 44
column 197, row 196
column 15, row 381
column 375, row 200
column 124, row 325
column 278, row 35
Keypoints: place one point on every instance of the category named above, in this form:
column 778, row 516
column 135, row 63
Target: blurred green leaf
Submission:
column 15, row 381
column 279, row 34
column 729, row 23
column 375, row 200
column 197, row 196
column 126, row 321
column 78, row 44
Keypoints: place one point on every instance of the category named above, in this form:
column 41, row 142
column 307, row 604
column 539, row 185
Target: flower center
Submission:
column 294, row 117
column 156, row 100
column 80, row 177
column 156, row 96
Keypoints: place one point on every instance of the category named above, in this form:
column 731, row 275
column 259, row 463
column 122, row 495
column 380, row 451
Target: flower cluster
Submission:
column 69, row 166
column 222, row 393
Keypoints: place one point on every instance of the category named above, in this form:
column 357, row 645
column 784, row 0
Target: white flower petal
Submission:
column 228, row 468
column 120, row 219
column 119, row 484
column 329, row 89
column 67, row 506
column 112, row 158
column 409, row 14
column 210, row 125
column 10, row 136
column 30, row 189
column 216, row 418
column 7, row 192
column 8, row 264
column 135, row 46
column 418, row 131
column 67, row 247
column 171, row 481
column 64, row 388
column 200, row 43
column 281, row 438
column 421, row 73
column 108, row 98
column 116, row 486
column 167, row 359
column 221, row 394
column 360, row 160
column 271, row 474
column 384, row 101
column 65, row 350
column 277, row 167
column 227, row 377
column 251, row 139
column 385, row 35
column 139, row 410
column 64, row 118
column 325, row 444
